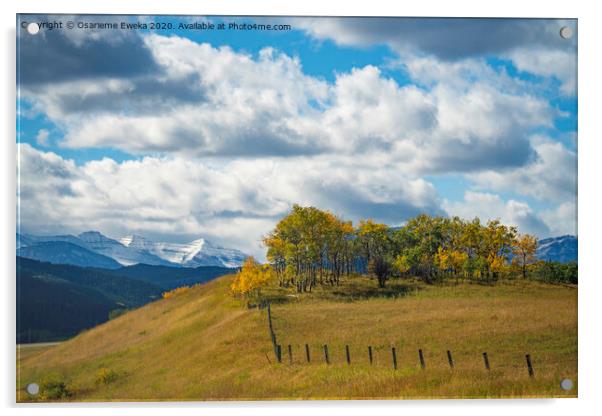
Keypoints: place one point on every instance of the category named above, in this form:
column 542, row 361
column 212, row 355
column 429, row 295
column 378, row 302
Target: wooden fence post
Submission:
column 307, row 352
column 272, row 333
column 279, row 353
column 347, row 353
column 421, row 356
column 450, row 360
column 326, row 354
column 394, row 358
column 290, row 354
column 370, row 353
column 529, row 366
column 486, row 360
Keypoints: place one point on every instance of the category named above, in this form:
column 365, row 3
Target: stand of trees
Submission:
column 311, row 246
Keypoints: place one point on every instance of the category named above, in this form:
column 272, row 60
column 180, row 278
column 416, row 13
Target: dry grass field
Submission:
column 206, row 345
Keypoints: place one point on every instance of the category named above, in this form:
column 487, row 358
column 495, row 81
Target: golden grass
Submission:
column 205, row 345
column 25, row 351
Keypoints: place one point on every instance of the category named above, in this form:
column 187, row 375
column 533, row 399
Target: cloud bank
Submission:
column 223, row 142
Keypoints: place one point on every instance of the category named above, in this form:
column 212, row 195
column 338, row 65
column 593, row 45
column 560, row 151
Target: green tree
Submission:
column 524, row 248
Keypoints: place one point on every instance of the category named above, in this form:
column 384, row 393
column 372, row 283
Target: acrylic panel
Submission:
column 284, row 208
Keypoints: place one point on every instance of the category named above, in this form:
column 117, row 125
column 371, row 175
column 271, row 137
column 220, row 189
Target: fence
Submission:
column 370, row 354
column 369, row 358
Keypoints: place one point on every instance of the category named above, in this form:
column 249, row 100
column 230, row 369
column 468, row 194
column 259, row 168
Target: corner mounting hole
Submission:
column 33, row 388
column 33, row 28
column 566, row 32
column 566, row 384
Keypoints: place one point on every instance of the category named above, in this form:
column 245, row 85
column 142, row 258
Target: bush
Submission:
column 54, row 389
column 106, row 376
column 176, row 292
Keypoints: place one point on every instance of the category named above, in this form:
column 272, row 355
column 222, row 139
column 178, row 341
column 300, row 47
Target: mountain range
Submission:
column 93, row 249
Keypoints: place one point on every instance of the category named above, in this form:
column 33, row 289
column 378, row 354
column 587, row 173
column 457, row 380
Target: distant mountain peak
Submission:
column 137, row 249
column 136, row 241
column 94, row 236
column 195, row 248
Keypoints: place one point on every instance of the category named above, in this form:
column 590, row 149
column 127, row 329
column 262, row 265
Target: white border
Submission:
column 590, row 348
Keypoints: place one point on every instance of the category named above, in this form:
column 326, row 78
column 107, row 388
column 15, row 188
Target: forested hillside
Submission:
column 56, row 301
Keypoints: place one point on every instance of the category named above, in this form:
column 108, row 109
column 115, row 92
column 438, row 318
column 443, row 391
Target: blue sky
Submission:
column 179, row 133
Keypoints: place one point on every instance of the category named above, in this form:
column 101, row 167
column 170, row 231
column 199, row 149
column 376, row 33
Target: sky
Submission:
column 176, row 134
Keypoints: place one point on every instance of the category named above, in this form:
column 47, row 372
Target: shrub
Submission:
column 106, row 376
column 176, row 292
column 381, row 268
column 54, row 388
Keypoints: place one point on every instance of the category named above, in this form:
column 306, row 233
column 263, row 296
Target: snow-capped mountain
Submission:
column 133, row 250
column 196, row 253
column 123, row 254
column 562, row 249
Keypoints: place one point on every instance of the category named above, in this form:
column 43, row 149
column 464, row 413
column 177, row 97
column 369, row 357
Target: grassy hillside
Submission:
column 205, row 345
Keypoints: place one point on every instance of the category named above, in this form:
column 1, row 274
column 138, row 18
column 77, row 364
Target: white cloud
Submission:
column 556, row 221
column 562, row 220
column 446, row 38
column 461, row 74
column 216, row 102
column 243, row 137
column 219, row 102
column 233, row 203
column 42, row 137
column 532, row 45
column 551, row 175
column 371, row 113
column 489, row 206
column 560, row 64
